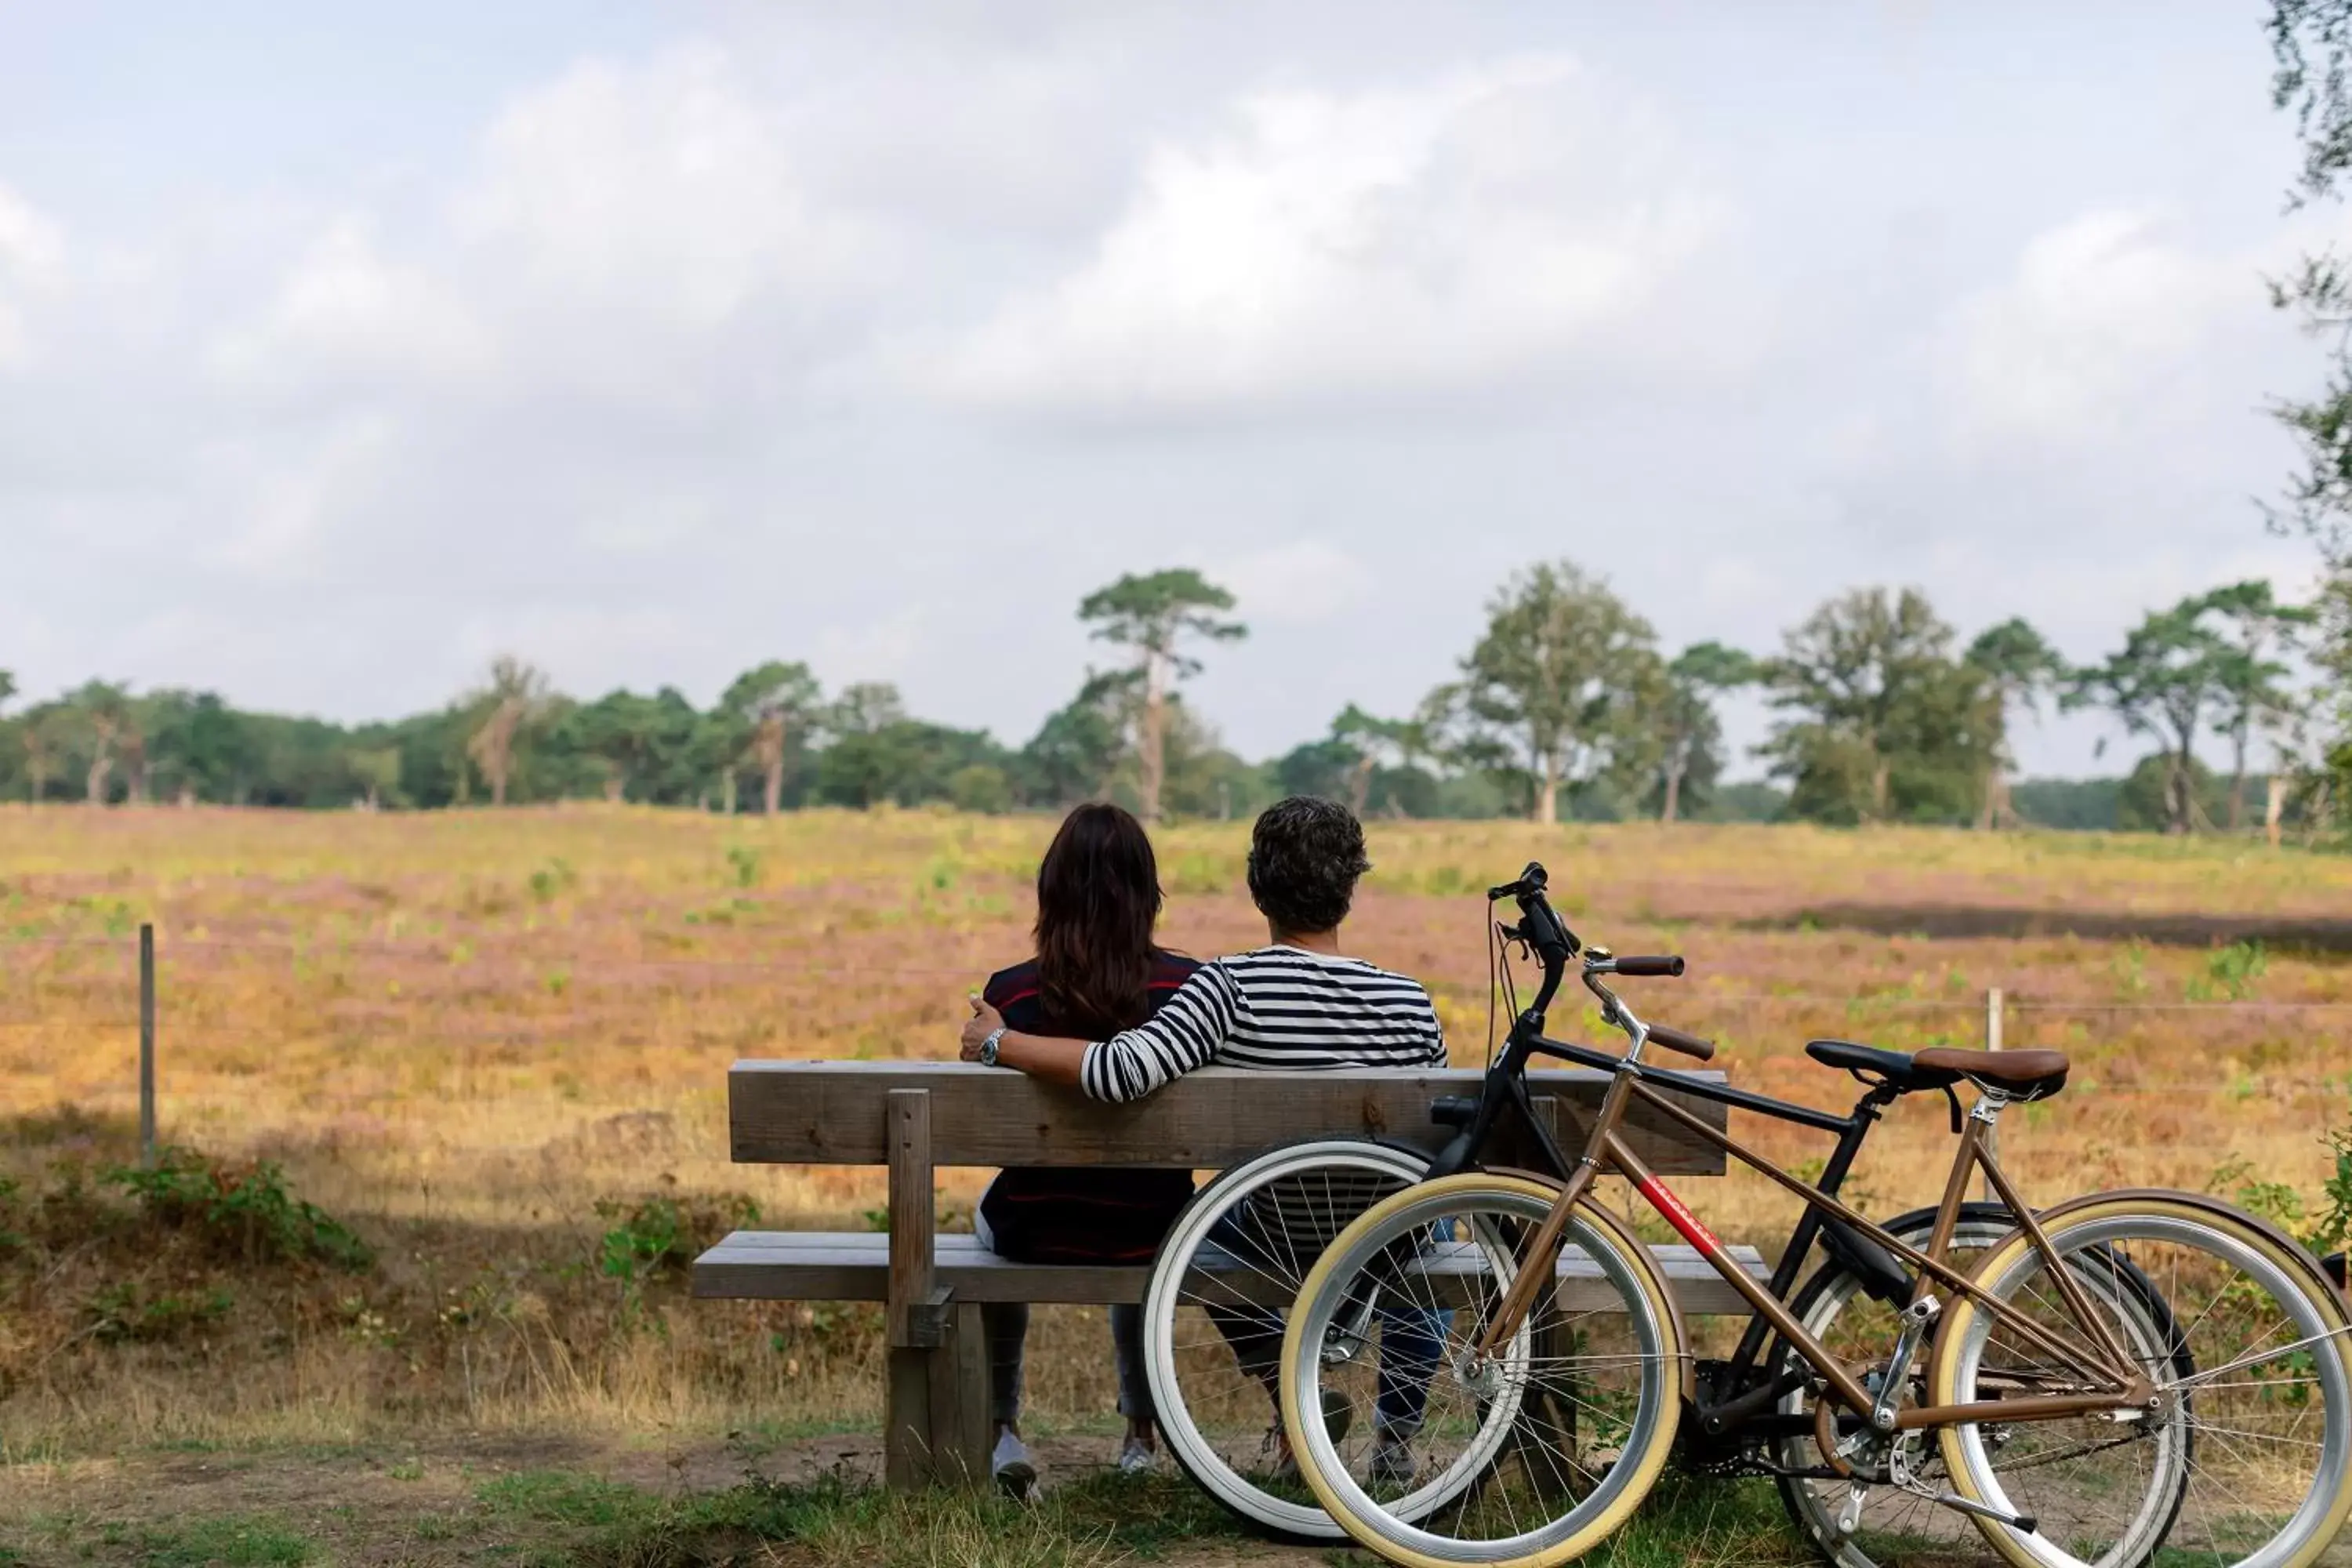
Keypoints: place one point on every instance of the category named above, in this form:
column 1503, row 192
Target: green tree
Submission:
column 1371, row 744
column 1689, row 733
column 377, row 769
column 40, row 734
column 2144, row 798
column 773, row 701
column 2021, row 670
column 1554, row 684
column 1155, row 616
column 104, row 720
column 2252, row 682
column 7, row 687
column 1078, row 752
column 633, row 740
column 512, row 702
column 867, row 752
column 2162, row 682
column 2311, row 45
column 1885, row 719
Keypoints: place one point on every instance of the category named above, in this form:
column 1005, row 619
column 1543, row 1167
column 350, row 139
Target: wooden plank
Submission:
column 829, row 1113
column 848, row 1265
column 909, row 1452
column 909, row 1243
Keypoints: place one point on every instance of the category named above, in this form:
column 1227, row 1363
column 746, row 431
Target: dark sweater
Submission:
column 1092, row 1214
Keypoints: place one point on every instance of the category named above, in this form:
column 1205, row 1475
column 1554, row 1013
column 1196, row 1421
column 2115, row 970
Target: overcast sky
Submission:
column 342, row 352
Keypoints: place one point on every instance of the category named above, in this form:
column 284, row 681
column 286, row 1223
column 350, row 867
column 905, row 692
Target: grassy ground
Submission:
column 490, row 1048
column 544, row 1505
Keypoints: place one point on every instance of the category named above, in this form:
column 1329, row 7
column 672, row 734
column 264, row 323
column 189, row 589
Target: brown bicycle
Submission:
column 2126, row 1377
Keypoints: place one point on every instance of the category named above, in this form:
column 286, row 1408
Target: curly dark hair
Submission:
column 1306, row 854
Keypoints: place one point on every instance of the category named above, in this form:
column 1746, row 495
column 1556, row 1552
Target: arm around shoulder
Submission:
column 1183, row 1035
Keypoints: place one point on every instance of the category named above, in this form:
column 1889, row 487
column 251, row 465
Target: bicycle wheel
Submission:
column 2242, row 1455
column 1524, row 1457
column 1212, row 1313
column 1894, row 1524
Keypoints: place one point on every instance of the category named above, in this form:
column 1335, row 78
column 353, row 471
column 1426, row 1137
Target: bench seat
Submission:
column 854, row 1266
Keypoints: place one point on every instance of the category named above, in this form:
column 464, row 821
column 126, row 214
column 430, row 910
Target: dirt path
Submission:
column 470, row 1502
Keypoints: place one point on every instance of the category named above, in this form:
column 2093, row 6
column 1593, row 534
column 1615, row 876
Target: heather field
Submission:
column 490, row 1048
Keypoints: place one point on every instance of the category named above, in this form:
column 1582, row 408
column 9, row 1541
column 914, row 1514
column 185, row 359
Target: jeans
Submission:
column 1007, row 1325
column 1412, row 1340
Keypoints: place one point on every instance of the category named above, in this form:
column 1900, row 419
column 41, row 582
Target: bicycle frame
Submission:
column 2102, row 1364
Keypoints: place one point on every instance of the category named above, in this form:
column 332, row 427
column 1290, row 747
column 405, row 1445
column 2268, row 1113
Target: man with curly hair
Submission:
column 1298, row 1002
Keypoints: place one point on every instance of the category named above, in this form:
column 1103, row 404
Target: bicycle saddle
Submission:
column 2020, row 1075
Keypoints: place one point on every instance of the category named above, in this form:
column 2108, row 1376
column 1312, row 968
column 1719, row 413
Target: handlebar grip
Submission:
column 1689, row 1044
column 1661, row 965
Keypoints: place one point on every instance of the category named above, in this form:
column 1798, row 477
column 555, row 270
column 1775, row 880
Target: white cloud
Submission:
column 666, row 189
column 1488, row 225
column 344, row 309
column 32, row 260
column 2100, row 325
column 289, row 507
column 888, row 649
column 1305, row 581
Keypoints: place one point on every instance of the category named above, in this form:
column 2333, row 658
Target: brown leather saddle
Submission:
column 2014, row 1075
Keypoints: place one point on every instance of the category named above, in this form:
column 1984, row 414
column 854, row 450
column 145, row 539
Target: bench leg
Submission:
column 936, row 1427
column 960, row 1427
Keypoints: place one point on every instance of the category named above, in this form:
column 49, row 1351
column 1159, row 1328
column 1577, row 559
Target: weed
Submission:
column 123, row 1312
column 657, row 1236
column 243, row 1209
column 746, row 866
column 556, row 877
column 2333, row 1228
column 2274, row 1201
column 2231, row 971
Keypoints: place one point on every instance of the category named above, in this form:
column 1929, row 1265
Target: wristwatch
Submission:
column 988, row 1046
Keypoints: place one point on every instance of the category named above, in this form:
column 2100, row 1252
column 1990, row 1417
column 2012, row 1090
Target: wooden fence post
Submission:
column 1992, row 1043
column 147, row 1048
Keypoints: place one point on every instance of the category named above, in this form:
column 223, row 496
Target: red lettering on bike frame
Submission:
column 1662, row 1198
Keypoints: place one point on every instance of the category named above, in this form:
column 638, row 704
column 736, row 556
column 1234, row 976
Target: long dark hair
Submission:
column 1098, row 899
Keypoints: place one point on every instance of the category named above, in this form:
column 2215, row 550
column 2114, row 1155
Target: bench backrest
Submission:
column 831, row 1113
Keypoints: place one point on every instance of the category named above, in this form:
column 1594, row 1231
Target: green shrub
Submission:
column 245, row 1210
column 646, row 1238
column 123, row 1312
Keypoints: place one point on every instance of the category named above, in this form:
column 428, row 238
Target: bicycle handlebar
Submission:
column 1653, row 966
column 1675, row 1040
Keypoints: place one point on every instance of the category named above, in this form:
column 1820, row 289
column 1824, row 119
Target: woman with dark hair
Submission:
column 1298, row 1002
column 1098, row 973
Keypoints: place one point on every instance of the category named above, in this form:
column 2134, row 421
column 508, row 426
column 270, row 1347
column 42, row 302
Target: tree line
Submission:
column 1566, row 705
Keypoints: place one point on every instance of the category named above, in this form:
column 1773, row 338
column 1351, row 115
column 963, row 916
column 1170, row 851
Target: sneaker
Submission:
column 1137, row 1457
column 1014, row 1467
column 1392, row 1461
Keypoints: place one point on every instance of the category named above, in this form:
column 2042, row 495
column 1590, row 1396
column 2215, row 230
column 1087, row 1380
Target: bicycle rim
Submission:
column 1219, row 1290
column 2242, row 1459
column 1527, row 1458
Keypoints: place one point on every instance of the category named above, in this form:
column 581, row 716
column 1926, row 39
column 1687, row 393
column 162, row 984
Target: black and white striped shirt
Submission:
column 1275, row 1007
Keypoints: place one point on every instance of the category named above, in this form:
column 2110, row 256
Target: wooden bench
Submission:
column 913, row 1116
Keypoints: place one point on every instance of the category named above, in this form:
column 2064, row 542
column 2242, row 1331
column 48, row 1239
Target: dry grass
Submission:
column 461, row 1032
